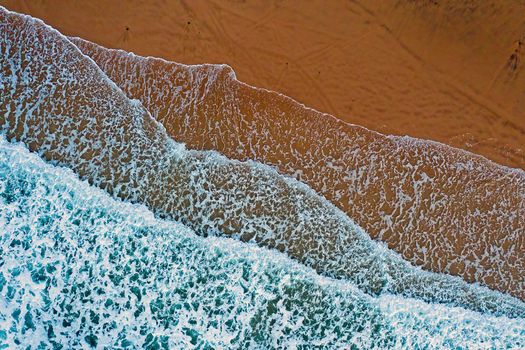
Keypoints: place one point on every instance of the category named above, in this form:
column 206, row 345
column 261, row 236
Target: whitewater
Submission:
column 79, row 268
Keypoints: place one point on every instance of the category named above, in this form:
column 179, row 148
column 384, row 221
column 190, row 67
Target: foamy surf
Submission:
column 444, row 209
column 61, row 105
column 79, row 269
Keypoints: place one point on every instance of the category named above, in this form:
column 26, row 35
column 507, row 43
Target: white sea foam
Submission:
column 441, row 208
column 79, row 269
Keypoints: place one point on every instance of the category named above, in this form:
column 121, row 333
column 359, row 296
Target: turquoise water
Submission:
column 81, row 269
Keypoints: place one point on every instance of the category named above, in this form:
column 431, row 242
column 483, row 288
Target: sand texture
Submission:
column 442, row 70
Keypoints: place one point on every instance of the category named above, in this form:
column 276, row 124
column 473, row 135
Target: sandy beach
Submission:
column 262, row 175
column 443, row 71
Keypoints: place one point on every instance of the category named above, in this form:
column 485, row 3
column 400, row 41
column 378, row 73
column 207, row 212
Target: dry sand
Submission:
column 449, row 71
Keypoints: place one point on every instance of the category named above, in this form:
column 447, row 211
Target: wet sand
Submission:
column 442, row 70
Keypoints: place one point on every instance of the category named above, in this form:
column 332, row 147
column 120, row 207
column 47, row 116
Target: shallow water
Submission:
column 63, row 107
column 78, row 268
column 441, row 208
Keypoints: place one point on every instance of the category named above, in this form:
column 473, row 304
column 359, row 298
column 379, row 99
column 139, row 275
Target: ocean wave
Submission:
column 80, row 269
column 59, row 103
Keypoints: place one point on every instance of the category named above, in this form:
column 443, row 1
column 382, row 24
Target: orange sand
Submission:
column 443, row 70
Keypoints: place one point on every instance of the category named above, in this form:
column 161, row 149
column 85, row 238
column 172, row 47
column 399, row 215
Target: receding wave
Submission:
column 59, row 103
column 444, row 209
column 81, row 269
